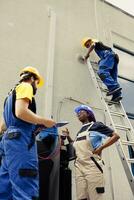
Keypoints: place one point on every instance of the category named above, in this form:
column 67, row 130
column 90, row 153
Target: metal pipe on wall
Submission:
column 50, row 64
column 54, row 176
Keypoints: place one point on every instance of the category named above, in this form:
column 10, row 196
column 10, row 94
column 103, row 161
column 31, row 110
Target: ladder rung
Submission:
column 130, row 160
column 122, row 127
column 98, row 79
column 104, row 89
column 127, row 142
column 117, row 114
column 94, row 63
column 111, row 102
column 95, row 69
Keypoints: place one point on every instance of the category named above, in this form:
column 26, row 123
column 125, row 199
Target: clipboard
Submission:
column 62, row 123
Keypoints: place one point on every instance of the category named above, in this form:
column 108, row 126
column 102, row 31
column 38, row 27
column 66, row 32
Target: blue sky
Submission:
column 126, row 5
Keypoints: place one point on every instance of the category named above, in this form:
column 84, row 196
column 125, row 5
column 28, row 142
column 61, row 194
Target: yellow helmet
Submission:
column 84, row 40
column 34, row 71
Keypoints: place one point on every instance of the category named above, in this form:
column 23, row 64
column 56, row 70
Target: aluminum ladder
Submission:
column 125, row 129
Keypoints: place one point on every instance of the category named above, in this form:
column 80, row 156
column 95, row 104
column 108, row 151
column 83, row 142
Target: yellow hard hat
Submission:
column 84, row 40
column 34, row 71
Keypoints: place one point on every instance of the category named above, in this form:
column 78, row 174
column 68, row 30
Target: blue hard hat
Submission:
column 83, row 107
column 86, row 108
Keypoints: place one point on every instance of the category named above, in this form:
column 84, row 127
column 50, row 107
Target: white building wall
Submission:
column 26, row 28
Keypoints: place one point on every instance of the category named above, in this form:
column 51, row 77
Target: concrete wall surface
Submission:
column 47, row 34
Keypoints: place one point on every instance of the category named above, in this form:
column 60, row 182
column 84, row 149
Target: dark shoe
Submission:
column 111, row 92
column 115, row 100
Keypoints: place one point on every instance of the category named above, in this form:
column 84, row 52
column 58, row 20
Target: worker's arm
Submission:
column 108, row 143
column 22, row 112
column 2, row 126
column 90, row 49
column 67, row 134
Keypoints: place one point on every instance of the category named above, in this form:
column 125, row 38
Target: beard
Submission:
column 34, row 88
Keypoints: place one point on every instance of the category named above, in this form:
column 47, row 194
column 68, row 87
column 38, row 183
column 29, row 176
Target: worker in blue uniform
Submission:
column 1, row 149
column 2, row 129
column 19, row 167
column 88, row 146
column 108, row 66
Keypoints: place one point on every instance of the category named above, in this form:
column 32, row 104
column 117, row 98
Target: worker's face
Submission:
column 88, row 43
column 35, row 83
column 82, row 116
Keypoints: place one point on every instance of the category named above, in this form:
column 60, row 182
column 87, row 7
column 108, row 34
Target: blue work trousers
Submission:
column 19, row 168
column 108, row 71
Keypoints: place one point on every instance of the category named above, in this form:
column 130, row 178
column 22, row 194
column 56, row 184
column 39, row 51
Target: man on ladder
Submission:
column 108, row 66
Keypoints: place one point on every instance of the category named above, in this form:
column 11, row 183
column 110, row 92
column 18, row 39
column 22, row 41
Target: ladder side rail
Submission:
column 125, row 164
column 118, row 145
column 130, row 136
column 100, row 94
column 128, row 121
